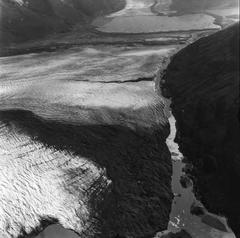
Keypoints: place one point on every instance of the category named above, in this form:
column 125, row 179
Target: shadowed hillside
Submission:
column 23, row 20
column 203, row 81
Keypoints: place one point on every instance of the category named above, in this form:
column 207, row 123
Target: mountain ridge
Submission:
column 31, row 19
column 203, row 82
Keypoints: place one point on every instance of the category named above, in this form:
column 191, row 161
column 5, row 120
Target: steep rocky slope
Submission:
column 203, row 81
column 29, row 19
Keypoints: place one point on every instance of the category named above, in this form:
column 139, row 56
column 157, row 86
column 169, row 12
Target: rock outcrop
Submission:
column 22, row 20
column 203, row 82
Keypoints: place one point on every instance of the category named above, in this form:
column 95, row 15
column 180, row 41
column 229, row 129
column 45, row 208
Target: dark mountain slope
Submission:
column 183, row 6
column 203, row 81
column 22, row 20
